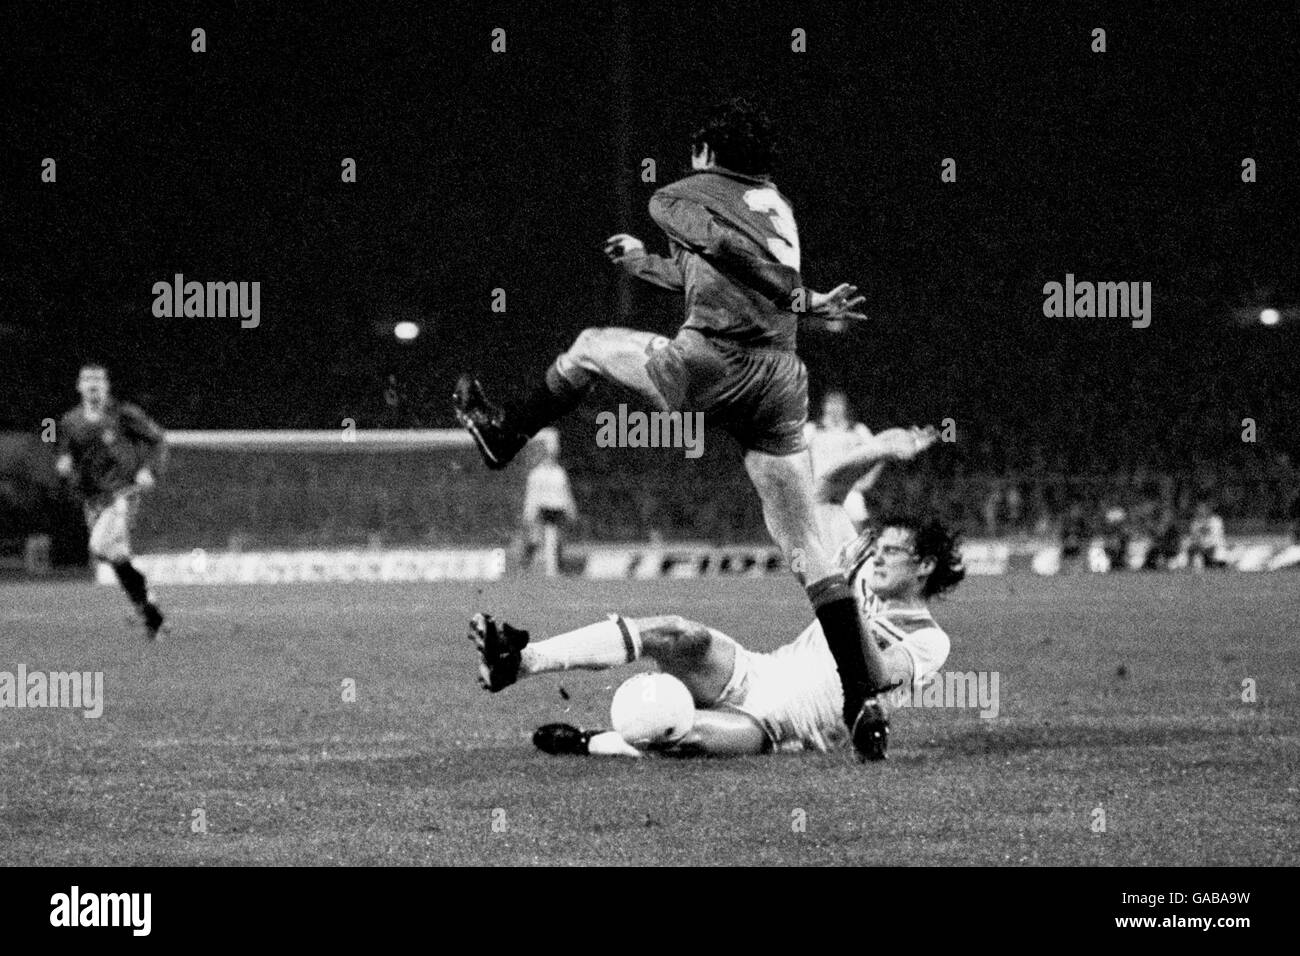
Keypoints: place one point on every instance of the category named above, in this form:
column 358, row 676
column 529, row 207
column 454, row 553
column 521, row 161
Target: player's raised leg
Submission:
column 700, row 657
column 619, row 355
column 785, row 485
column 506, row 654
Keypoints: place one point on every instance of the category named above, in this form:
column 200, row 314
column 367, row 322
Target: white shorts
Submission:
column 110, row 524
column 793, row 693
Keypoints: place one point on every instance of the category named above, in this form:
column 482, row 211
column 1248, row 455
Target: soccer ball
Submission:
column 652, row 710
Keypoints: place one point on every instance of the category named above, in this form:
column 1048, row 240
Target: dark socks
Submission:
column 132, row 581
column 551, row 399
column 837, row 610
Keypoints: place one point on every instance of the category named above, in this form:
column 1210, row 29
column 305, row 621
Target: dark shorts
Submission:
column 760, row 396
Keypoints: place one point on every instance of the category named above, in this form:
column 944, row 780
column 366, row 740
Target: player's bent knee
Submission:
column 112, row 554
column 673, row 639
column 782, row 482
column 686, row 641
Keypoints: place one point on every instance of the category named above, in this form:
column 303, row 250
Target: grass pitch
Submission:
column 1122, row 693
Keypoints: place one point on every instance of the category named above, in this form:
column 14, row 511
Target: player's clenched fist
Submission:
column 622, row 246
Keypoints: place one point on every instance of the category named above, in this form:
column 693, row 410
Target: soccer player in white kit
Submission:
column 830, row 440
column 749, row 702
column 548, row 504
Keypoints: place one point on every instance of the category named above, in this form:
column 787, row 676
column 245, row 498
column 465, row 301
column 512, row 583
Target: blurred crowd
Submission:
column 634, row 495
column 1042, row 494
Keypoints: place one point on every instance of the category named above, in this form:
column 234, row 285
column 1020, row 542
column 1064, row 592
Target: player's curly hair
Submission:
column 740, row 135
column 932, row 540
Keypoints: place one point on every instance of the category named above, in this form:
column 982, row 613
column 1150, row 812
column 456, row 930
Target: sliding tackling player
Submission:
column 735, row 257
column 111, row 451
column 790, row 699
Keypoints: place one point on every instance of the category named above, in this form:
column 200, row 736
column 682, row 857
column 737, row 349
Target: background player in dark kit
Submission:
column 111, row 451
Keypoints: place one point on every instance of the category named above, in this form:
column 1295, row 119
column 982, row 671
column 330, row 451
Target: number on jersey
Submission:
column 785, row 245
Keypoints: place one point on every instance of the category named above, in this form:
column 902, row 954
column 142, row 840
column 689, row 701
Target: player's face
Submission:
column 893, row 569
column 93, row 386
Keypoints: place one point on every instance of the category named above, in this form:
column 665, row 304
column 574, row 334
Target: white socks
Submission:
column 594, row 647
column 610, row 743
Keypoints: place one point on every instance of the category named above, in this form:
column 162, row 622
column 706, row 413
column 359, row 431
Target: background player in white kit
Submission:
column 548, row 505
column 747, row 702
column 830, row 440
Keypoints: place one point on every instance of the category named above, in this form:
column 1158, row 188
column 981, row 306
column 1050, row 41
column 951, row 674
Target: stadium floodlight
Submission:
column 406, row 331
column 1270, row 316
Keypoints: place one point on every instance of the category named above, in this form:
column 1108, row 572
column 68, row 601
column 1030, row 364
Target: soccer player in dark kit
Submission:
column 111, row 451
column 735, row 256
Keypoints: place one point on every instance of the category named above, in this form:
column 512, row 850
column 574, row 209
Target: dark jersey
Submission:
column 735, row 254
column 108, row 451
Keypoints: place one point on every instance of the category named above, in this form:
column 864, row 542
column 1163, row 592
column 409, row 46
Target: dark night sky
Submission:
column 479, row 170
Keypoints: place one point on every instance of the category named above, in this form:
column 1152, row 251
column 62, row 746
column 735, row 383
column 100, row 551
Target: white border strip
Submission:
column 284, row 439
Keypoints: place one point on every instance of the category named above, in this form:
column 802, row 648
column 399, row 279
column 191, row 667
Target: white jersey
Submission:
column 795, row 693
column 547, row 489
column 829, row 445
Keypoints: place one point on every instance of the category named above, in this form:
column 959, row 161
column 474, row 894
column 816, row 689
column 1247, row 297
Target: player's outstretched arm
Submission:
column 629, row 253
column 892, row 444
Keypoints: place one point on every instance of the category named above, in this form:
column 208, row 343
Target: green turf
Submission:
column 241, row 713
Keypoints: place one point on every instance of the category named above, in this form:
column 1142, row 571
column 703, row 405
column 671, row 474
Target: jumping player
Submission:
column 112, row 450
column 736, row 258
column 749, row 703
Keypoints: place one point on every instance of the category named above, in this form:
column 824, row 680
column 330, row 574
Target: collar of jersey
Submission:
column 742, row 177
